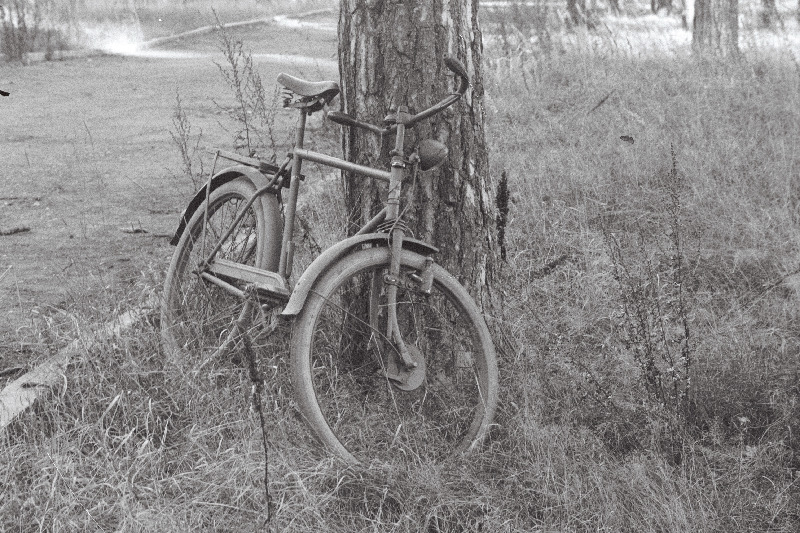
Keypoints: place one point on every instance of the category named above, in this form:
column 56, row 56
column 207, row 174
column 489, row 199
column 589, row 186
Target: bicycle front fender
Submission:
column 322, row 264
column 222, row 177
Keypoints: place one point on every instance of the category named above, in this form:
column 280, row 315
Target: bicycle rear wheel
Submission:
column 340, row 354
column 197, row 316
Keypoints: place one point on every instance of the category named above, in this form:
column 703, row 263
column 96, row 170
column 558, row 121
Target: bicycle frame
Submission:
column 391, row 212
column 298, row 154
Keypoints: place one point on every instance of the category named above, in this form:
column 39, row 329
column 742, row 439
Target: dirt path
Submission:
column 89, row 167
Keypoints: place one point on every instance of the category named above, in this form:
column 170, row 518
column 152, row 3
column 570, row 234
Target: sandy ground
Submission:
column 88, row 166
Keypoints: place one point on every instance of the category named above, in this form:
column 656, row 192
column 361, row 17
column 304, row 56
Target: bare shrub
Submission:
column 254, row 110
column 21, row 24
column 37, row 26
column 188, row 144
column 652, row 273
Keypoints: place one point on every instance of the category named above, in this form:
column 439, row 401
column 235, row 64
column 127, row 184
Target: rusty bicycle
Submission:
column 390, row 357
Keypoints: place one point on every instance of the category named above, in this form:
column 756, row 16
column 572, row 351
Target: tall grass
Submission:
column 652, row 215
column 665, row 191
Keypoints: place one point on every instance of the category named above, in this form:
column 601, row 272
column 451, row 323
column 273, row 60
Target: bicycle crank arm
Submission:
column 222, row 284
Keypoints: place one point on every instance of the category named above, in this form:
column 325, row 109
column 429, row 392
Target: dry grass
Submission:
column 582, row 442
column 592, row 247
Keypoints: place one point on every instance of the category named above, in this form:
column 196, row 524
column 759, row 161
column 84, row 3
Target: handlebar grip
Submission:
column 457, row 68
column 342, row 118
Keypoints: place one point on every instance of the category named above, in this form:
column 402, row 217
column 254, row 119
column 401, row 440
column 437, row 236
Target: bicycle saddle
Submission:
column 322, row 90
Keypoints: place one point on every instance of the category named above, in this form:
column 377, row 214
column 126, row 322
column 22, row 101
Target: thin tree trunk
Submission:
column 768, row 15
column 658, row 5
column 577, row 11
column 687, row 13
column 391, row 54
column 716, row 28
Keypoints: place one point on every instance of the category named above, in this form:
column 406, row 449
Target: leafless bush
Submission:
column 21, row 24
column 37, row 26
column 254, row 110
column 187, row 144
column 654, row 306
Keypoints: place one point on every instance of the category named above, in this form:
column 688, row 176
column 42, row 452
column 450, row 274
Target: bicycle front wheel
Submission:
column 340, row 356
column 197, row 316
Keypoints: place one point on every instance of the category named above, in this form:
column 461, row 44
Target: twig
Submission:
column 601, row 102
column 12, row 231
column 3, row 275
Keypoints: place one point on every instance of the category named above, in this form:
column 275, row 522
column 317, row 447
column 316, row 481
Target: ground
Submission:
column 91, row 175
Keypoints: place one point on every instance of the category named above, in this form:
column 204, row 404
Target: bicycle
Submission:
column 390, row 357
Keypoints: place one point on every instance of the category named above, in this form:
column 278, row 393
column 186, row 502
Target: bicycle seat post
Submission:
column 287, row 245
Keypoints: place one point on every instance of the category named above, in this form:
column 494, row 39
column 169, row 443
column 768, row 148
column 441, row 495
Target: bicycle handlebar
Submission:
column 454, row 65
column 457, row 68
column 346, row 120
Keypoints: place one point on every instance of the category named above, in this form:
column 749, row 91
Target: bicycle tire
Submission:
column 197, row 316
column 362, row 416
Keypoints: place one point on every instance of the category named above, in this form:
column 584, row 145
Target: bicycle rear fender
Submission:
column 332, row 255
column 258, row 180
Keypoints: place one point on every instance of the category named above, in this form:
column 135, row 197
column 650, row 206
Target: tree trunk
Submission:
column 391, row 53
column 716, row 27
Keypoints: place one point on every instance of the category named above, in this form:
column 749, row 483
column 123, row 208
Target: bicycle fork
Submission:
column 406, row 366
column 405, row 363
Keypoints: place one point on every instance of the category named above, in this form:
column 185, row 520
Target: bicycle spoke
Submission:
column 366, row 412
column 198, row 316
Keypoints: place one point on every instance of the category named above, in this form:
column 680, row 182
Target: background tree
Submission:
column 391, row 53
column 578, row 14
column 658, row 5
column 716, row 27
column 768, row 16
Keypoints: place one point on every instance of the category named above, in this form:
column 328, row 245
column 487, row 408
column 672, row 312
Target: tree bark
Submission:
column 716, row 28
column 391, row 53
